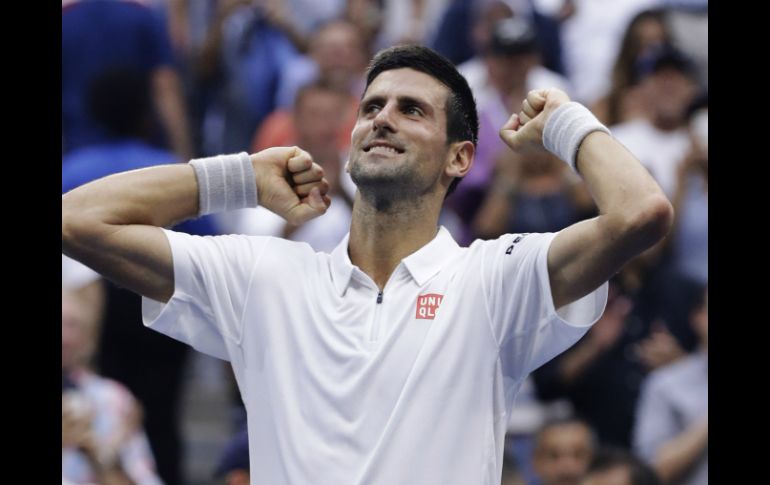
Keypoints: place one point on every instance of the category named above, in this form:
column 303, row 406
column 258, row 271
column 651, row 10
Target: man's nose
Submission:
column 383, row 120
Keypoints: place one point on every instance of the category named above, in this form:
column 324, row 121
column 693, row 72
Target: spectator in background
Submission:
column 688, row 21
column 511, row 64
column 149, row 364
column 241, row 65
column 281, row 127
column 337, row 54
column 97, row 36
column 602, row 373
column 622, row 102
column 102, row 438
column 668, row 86
column 319, row 117
column 671, row 430
column 532, row 193
column 591, row 31
column 563, row 450
column 614, row 466
column 409, row 21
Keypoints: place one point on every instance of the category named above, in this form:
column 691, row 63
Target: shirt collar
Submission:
column 342, row 268
column 422, row 265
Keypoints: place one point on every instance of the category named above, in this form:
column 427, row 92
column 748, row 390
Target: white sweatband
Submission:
column 225, row 183
column 565, row 129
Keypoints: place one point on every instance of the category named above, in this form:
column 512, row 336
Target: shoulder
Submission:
column 508, row 243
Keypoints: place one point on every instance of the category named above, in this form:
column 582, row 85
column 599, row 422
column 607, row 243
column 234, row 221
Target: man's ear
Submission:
column 461, row 153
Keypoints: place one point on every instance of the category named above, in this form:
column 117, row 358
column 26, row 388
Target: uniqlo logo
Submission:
column 427, row 305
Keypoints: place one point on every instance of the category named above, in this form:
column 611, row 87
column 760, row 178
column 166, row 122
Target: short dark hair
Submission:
column 462, row 118
column 612, row 457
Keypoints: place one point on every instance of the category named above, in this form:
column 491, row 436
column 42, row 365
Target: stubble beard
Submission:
column 388, row 188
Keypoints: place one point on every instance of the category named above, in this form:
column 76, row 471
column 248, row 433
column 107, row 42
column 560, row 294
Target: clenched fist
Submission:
column 523, row 132
column 290, row 184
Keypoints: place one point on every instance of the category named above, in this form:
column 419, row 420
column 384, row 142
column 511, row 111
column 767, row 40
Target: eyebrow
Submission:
column 402, row 101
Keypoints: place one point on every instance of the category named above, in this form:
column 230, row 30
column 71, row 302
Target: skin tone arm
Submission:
column 678, row 454
column 634, row 212
column 113, row 224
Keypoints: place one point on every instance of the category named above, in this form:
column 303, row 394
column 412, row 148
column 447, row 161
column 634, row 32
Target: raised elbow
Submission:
column 660, row 216
column 652, row 221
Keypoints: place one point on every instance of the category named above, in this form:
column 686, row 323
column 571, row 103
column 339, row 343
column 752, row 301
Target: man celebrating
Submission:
column 394, row 359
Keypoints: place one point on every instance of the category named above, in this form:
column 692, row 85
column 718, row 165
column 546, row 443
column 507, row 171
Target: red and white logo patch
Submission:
column 427, row 305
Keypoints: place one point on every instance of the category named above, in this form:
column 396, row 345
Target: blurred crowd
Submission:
column 149, row 82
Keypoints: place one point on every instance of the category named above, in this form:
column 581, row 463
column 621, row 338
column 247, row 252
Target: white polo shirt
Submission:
column 346, row 385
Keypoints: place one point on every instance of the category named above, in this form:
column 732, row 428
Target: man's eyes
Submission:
column 413, row 110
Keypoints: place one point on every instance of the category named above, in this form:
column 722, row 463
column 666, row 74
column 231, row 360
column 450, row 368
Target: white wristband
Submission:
column 225, row 183
column 565, row 129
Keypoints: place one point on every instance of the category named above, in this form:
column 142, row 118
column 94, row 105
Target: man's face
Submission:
column 669, row 92
column 399, row 143
column 319, row 116
column 338, row 52
column 563, row 454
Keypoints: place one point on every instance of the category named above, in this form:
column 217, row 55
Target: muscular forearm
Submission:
column 634, row 208
column 157, row 196
column 620, row 184
column 680, row 453
column 112, row 224
column 108, row 225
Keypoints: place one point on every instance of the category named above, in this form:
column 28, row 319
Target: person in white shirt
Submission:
column 396, row 358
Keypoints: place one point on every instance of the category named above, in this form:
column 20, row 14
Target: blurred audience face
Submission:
column 648, row 32
column 319, row 115
column 563, row 452
column 668, row 93
column 618, row 475
column 78, row 337
column 507, row 72
column 338, row 49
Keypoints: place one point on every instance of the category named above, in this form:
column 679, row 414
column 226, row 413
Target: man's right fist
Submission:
column 290, row 184
column 523, row 132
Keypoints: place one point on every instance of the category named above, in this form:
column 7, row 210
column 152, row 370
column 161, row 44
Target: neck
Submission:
column 380, row 237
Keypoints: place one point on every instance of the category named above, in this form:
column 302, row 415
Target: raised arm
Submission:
column 113, row 224
column 634, row 212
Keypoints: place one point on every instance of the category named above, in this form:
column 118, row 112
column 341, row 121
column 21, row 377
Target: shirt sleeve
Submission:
column 212, row 275
column 528, row 328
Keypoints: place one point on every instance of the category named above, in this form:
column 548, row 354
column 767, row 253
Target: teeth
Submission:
column 383, row 149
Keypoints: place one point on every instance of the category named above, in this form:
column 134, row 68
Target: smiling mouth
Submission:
column 383, row 150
